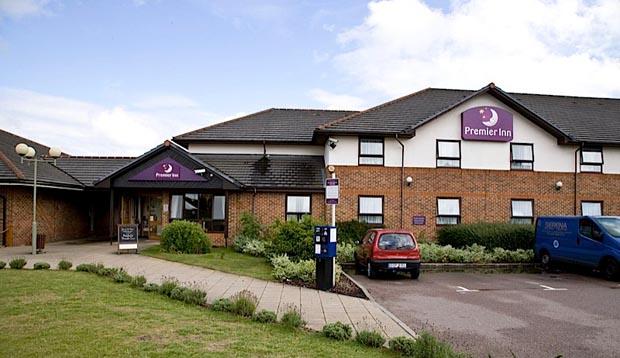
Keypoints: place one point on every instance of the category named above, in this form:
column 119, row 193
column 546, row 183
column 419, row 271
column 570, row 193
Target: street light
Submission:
column 29, row 154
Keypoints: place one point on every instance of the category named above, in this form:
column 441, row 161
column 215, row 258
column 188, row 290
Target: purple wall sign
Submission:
column 486, row 123
column 167, row 170
column 419, row 220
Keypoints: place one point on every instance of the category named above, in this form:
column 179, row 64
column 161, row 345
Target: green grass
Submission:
column 65, row 313
column 221, row 259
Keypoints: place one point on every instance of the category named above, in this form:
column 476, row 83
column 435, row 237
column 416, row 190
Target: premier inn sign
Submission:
column 486, row 123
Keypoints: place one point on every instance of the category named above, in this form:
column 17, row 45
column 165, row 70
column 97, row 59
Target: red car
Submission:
column 388, row 251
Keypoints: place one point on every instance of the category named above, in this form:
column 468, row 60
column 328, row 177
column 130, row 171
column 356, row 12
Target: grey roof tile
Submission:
column 90, row 169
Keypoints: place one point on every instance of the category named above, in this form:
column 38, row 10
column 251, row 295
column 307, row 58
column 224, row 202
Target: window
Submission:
column 522, row 211
column 592, row 160
column 371, row 151
column 396, row 242
column 591, row 208
column 449, row 153
column 207, row 209
column 448, row 211
column 370, row 210
column 521, row 156
column 297, row 206
column 590, row 230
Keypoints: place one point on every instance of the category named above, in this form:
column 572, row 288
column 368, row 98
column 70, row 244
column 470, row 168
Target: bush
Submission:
column 151, row 287
column 403, row 345
column 121, row 277
column 338, row 331
column 370, row 338
column 250, row 226
column 293, row 238
column 17, row 263
column 138, row 281
column 64, row 265
column 292, row 318
column 490, row 235
column 345, row 253
column 41, row 266
column 2, row 264
column 244, row 303
column 91, row 268
column 108, row 271
column 473, row 254
column 265, row 316
column 191, row 296
column 285, row 269
column 351, row 232
column 167, row 286
column 222, row 305
column 184, row 237
column 425, row 346
column 247, row 245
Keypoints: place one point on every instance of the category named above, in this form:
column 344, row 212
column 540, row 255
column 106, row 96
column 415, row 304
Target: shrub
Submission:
column 254, row 248
column 351, row 232
column 17, row 263
column 490, row 235
column 184, row 237
column 338, row 331
column 222, row 305
column 425, row 346
column 293, row 238
column 345, row 253
column 121, row 277
column 265, row 316
column 108, row 271
column 403, row 345
column 244, row 303
column 2, row 264
column 192, row 296
column 91, row 268
column 64, row 265
column 292, row 318
column 240, row 242
column 41, row 266
column 285, row 269
column 138, row 281
column 167, row 286
column 151, row 287
column 250, row 226
column 370, row 338
column 473, row 254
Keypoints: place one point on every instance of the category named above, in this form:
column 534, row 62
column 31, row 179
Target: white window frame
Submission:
column 521, row 219
column 297, row 215
column 449, row 218
column 599, row 203
column 361, row 215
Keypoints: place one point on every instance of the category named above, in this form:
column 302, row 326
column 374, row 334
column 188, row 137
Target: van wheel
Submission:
column 611, row 269
column 415, row 273
column 370, row 272
column 545, row 260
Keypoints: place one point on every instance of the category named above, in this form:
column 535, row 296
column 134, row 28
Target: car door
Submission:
column 589, row 243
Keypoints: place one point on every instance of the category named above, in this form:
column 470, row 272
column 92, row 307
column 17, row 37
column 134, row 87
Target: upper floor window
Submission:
column 448, row 211
column 591, row 208
column 207, row 209
column 449, row 153
column 522, row 156
column 371, row 151
column 297, row 206
column 592, row 160
column 370, row 210
column 522, row 211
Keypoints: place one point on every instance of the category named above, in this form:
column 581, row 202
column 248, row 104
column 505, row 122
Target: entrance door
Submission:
column 151, row 218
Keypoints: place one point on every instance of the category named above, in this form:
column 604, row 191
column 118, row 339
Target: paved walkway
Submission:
column 317, row 307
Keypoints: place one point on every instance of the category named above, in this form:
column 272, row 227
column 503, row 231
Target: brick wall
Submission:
column 485, row 194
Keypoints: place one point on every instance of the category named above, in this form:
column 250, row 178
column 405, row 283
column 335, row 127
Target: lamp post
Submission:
column 28, row 154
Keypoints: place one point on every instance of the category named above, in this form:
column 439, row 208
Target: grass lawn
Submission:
column 221, row 259
column 58, row 313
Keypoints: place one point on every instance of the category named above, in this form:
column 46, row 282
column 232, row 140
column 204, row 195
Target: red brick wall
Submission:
column 485, row 194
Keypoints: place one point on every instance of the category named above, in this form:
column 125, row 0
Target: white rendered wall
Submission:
column 345, row 152
column 290, row 149
column 611, row 159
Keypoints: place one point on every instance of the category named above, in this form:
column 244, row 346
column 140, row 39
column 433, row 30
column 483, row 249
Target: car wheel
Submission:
column 545, row 260
column 370, row 272
column 415, row 273
column 358, row 267
column 611, row 269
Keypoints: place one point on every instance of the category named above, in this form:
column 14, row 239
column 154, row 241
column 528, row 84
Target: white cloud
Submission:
column 336, row 101
column 22, row 8
column 561, row 47
column 80, row 127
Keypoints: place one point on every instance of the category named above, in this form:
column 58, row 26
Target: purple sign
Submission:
column 332, row 191
column 486, row 123
column 419, row 220
column 167, row 170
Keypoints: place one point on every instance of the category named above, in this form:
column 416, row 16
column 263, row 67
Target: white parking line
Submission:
column 462, row 289
column 549, row 288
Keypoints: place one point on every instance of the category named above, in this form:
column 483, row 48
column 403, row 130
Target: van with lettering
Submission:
column 591, row 241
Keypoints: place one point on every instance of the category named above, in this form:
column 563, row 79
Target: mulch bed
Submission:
column 344, row 287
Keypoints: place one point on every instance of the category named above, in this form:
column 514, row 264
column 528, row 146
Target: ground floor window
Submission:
column 448, row 211
column 207, row 209
column 370, row 210
column 297, row 206
column 591, row 208
column 522, row 211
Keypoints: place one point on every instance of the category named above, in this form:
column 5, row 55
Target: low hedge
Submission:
column 490, row 235
column 475, row 253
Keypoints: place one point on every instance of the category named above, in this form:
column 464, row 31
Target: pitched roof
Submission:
column 579, row 119
column 271, row 172
column 271, row 125
column 88, row 170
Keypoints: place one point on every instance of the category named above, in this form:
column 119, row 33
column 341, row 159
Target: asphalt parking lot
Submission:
column 530, row 315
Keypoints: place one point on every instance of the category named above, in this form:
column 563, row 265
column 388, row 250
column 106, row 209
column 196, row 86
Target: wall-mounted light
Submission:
column 331, row 169
column 559, row 185
column 332, row 143
column 200, row 171
column 409, row 180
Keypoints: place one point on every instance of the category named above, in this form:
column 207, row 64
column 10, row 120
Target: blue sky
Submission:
column 120, row 76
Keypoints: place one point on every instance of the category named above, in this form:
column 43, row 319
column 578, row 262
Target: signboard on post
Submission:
column 332, row 186
column 127, row 237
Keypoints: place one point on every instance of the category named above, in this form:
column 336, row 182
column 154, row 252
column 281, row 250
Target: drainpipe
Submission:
column 254, row 202
column 575, row 180
column 402, row 177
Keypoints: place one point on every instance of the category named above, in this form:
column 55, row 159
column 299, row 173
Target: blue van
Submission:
column 592, row 241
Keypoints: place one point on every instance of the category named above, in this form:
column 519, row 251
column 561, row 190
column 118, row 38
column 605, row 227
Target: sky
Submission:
column 118, row 77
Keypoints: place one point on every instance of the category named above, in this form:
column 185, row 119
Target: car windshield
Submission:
column 612, row 225
column 396, row 242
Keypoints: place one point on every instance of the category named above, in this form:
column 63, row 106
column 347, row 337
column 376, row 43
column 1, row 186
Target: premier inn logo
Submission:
column 486, row 123
column 168, row 172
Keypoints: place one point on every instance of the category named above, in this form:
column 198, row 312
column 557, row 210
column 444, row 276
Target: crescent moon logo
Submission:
column 493, row 120
column 167, row 168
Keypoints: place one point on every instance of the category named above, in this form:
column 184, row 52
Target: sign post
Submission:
column 127, row 237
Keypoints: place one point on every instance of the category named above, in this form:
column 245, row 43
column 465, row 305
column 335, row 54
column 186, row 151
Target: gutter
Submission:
column 42, row 186
column 402, row 177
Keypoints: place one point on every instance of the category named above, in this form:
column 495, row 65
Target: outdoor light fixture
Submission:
column 409, row 180
column 332, row 143
column 29, row 154
column 200, row 171
column 559, row 185
column 331, row 169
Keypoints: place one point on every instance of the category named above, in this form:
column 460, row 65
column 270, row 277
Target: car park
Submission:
column 388, row 251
